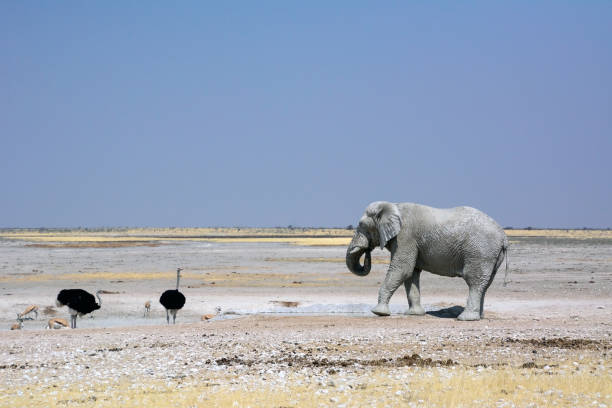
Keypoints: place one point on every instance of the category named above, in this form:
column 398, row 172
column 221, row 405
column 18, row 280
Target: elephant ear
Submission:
column 387, row 218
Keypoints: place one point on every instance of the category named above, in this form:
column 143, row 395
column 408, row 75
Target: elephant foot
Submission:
column 467, row 316
column 416, row 311
column 381, row 310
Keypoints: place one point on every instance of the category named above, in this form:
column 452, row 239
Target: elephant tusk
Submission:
column 355, row 250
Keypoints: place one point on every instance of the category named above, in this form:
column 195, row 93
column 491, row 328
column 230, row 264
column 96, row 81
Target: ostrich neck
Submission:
column 178, row 278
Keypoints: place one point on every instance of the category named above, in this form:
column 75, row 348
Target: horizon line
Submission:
column 348, row 227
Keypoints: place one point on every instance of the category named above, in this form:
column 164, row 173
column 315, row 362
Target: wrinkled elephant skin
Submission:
column 459, row 241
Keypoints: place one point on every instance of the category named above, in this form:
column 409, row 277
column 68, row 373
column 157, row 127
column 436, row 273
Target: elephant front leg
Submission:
column 413, row 291
column 392, row 281
column 399, row 271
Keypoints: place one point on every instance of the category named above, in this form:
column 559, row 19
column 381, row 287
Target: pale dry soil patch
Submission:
column 545, row 340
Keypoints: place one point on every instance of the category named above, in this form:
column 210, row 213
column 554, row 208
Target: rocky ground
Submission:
column 545, row 339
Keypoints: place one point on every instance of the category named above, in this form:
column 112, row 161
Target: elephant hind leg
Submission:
column 472, row 308
column 496, row 265
column 478, row 278
column 485, row 290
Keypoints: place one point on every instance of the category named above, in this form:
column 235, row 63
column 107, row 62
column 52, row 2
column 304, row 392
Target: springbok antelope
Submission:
column 211, row 316
column 147, row 310
column 57, row 323
column 27, row 313
column 18, row 325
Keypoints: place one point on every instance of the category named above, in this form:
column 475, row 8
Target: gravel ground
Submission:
column 555, row 317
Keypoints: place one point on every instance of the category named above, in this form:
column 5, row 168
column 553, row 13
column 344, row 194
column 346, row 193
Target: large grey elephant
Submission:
column 459, row 241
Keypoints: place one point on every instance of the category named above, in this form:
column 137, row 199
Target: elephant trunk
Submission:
column 353, row 255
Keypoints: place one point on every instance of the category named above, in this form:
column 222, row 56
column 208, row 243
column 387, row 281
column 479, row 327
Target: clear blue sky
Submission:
column 276, row 113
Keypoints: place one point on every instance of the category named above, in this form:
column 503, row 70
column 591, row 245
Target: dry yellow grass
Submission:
column 239, row 231
column 307, row 237
column 428, row 387
column 296, row 236
column 210, row 278
column 335, row 241
column 85, row 276
column 177, row 232
column 96, row 244
column 560, row 233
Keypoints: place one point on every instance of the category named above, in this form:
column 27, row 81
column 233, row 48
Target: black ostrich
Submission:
column 172, row 299
column 79, row 302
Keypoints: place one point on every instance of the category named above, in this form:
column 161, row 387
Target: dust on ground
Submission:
column 294, row 329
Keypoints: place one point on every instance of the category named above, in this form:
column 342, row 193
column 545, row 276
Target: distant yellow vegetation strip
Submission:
column 94, row 244
column 78, row 238
column 149, row 236
column 240, row 231
column 65, row 241
column 336, row 241
column 178, row 232
column 105, row 276
column 296, row 236
column 560, row 233
column 190, row 280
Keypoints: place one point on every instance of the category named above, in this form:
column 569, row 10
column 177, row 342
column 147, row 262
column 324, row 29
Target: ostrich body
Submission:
column 79, row 302
column 27, row 313
column 147, row 308
column 172, row 299
column 56, row 323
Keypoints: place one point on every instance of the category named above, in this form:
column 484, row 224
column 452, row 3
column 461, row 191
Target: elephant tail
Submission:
column 504, row 251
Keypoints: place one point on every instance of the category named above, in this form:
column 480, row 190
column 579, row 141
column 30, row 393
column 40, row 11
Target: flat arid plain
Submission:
column 294, row 327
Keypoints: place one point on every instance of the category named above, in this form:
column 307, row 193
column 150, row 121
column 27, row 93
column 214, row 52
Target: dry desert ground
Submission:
column 294, row 328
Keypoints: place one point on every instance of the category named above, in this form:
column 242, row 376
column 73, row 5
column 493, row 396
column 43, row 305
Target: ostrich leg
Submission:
column 174, row 317
column 167, row 317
